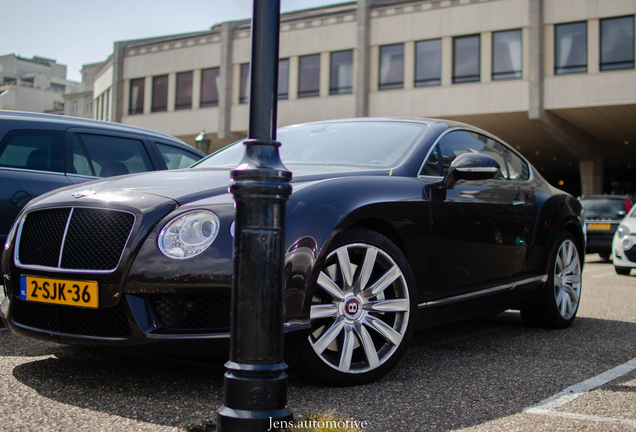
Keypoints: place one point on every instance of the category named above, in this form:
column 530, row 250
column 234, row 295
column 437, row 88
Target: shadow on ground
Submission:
column 451, row 377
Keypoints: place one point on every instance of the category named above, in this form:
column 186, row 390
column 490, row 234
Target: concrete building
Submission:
column 554, row 78
column 78, row 98
column 37, row 84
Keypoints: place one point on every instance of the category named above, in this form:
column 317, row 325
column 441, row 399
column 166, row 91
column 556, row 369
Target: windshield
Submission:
column 604, row 207
column 380, row 144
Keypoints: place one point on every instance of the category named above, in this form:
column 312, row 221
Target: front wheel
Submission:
column 559, row 301
column 362, row 313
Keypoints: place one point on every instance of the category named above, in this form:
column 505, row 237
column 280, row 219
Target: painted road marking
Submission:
column 551, row 404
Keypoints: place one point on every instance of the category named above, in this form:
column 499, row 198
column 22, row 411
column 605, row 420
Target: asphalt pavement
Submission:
column 492, row 374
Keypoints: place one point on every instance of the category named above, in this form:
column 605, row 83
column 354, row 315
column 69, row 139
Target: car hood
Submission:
column 187, row 185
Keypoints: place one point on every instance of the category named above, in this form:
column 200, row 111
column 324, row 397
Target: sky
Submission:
column 76, row 32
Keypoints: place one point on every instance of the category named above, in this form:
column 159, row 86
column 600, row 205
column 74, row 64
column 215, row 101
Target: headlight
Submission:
column 622, row 231
column 189, row 234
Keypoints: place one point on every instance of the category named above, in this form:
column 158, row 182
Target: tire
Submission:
column 622, row 270
column 363, row 319
column 560, row 298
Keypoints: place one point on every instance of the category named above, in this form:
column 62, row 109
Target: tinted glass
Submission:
column 391, row 67
column 466, row 59
column 506, row 54
column 244, row 97
column 184, row 90
column 617, row 43
column 136, row 96
column 341, row 80
column 431, row 166
column 160, row 93
column 210, row 87
column 309, row 76
column 283, row 79
column 34, row 150
column 176, row 158
column 357, row 143
column 456, row 143
column 571, row 48
column 517, row 168
column 603, row 207
column 113, row 156
column 428, row 63
column 81, row 164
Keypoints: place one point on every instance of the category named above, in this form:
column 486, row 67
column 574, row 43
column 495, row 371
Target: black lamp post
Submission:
column 202, row 142
column 255, row 393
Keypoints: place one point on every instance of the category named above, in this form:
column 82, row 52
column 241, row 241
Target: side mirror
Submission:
column 471, row 166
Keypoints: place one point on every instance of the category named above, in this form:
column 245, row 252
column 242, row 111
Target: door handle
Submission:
column 518, row 202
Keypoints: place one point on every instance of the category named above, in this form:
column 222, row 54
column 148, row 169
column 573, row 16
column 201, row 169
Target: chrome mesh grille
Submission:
column 94, row 239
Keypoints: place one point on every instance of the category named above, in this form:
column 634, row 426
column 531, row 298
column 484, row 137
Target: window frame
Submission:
column 498, row 76
column 600, row 48
column 244, row 98
column 279, row 95
column 131, row 110
column 467, row 78
column 564, row 70
column 339, row 90
column 209, row 103
column 159, row 108
column 428, row 82
column 183, row 106
column 313, row 92
column 390, row 85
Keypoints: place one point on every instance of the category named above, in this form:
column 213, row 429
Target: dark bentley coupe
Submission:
column 392, row 225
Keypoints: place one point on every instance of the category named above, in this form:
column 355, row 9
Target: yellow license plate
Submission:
column 59, row 291
column 599, row 226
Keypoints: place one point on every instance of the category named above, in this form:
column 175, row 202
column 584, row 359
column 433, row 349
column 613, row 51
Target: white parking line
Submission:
column 550, row 405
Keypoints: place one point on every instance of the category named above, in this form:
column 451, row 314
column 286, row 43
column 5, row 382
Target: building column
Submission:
column 324, row 77
column 447, row 61
column 225, row 81
column 362, row 54
column 583, row 146
column 293, row 78
column 172, row 90
column 196, row 89
column 147, row 95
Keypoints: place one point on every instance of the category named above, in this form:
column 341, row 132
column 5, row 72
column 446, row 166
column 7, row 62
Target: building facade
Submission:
column 78, row 98
column 554, row 78
column 37, row 84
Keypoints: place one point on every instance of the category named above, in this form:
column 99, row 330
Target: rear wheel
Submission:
column 362, row 313
column 622, row 270
column 559, row 301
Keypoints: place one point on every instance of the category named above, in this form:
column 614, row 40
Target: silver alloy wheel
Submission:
column 361, row 314
column 567, row 279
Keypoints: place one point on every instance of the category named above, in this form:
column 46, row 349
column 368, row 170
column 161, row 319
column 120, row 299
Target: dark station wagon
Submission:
column 43, row 152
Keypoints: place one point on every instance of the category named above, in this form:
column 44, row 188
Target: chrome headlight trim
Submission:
column 188, row 234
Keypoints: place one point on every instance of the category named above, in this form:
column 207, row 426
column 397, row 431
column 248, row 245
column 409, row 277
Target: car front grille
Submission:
column 187, row 313
column 84, row 238
column 108, row 323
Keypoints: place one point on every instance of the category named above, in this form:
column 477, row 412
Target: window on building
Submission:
column 571, row 48
column 617, row 43
column 136, row 96
column 9, row 81
column 341, row 79
column 466, row 59
column 391, row 67
column 74, row 106
column 60, row 88
column 506, row 55
column 210, row 87
column 244, row 97
column 283, row 79
column 309, row 76
column 89, row 105
column 428, row 63
column 184, row 91
column 159, row 93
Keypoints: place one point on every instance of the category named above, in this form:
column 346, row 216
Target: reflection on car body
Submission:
column 381, row 238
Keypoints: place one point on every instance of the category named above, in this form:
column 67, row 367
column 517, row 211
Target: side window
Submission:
column 34, row 150
column 458, row 142
column 431, row 166
column 176, row 158
column 517, row 168
column 112, row 156
column 81, row 164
